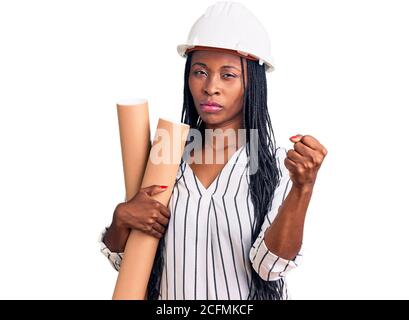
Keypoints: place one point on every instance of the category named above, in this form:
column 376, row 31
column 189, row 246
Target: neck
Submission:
column 225, row 135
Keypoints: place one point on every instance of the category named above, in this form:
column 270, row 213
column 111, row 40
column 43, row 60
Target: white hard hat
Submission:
column 230, row 25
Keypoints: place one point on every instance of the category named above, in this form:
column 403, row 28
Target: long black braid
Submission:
column 262, row 183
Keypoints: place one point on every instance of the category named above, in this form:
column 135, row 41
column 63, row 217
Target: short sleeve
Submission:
column 115, row 258
column 269, row 266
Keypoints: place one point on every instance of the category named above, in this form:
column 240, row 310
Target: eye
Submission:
column 229, row 75
column 197, row 72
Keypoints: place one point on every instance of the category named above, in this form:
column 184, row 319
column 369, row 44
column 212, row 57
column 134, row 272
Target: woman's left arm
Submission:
column 284, row 236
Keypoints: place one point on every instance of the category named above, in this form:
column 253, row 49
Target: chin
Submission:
column 212, row 119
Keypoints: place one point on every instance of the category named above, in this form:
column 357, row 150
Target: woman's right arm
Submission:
column 142, row 213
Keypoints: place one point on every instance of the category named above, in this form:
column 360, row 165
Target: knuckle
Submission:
column 310, row 165
column 306, row 137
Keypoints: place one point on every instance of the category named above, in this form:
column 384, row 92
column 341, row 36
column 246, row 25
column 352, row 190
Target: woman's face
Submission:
column 216, row 77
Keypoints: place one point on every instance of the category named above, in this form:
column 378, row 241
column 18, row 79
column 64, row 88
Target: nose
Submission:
column 211, row 86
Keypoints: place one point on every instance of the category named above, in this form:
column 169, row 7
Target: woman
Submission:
column 232, row 230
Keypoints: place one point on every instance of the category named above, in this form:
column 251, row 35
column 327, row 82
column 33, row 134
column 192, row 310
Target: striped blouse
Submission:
column 208, row 248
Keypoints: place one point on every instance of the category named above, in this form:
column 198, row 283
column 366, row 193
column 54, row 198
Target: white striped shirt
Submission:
column 208, row 249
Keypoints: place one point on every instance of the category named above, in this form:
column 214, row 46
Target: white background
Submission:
column 342, row 75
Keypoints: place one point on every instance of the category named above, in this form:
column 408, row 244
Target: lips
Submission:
column 210, row 107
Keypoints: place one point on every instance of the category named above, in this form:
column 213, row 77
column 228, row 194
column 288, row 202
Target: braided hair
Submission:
column 262, row 183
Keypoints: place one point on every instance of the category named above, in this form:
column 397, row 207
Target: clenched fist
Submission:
column 304, row 161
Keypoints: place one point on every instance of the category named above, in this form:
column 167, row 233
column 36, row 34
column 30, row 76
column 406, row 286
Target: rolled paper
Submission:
column 161, row 169
column 134, row 131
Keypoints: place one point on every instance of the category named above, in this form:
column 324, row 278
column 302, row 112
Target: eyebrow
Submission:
column 222, row 67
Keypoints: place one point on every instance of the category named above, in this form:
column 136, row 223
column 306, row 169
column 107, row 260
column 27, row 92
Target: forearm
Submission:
column 285, row 234
column 116, row 236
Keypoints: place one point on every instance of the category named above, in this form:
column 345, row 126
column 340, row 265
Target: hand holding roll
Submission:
column 144, row 213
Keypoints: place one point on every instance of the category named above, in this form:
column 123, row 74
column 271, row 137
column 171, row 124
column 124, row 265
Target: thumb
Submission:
column 154, row 189
column 296, row 138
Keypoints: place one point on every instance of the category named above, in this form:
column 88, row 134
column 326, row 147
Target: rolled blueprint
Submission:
column 134, row 131
column 161, row 169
